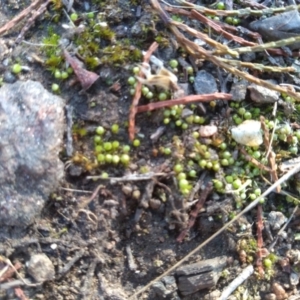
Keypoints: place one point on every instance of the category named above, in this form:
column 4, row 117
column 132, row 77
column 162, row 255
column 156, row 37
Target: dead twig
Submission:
column 62, row 272
column 246, row 273
column 184, row 100
column 195, row 211
column 130, row 177
column 137, row 95
column 34, row 15
column 259, row 252
column 23, row 14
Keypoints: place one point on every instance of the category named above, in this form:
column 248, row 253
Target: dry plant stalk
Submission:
column 137, row 95
column 23, row 14
column 271, row 155
column 199, row 52
column 194, row 213
column 184, row 100
column 241, row 12
column 34, row 15
column 260, row 242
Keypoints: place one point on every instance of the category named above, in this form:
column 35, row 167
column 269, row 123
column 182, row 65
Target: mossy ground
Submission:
column 106, row 45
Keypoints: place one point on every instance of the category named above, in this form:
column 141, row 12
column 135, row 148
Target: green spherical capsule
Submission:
column 104, row 175
column 236, row 21
column 97, row 139
column 16, row 68
column 223, row 146
column 178, row 168
column 149, row 95
column 241, row 111
column 209, row 165
column 162, row 96
column 221, row 5
column 167, row 121
column 196, row 134
column 108, row 158
column 252, row 196
column 131, row 80
column 126, row 148
column 199, row 120
column 136, row 70
column 136, row 143
column 90, row 15
column 190, row 119
column 181, row 175
column 115, row 128
column 173, row 63
column 218, row 184
column 268, row 263
column 132, row 92
column 231, row 160
column 226, row 154
column 229, row 179
column 100, row 130
column 125, row 159
column 57, row 74
column 98, row 149
column 167, row 151
column 293, row 150
column 190, row 70
column 107, row 146
column 178, row 123
column 256, row 154
column 101, row 158
column 191, row 79
column 247, row 115
column 115, row 145
column 216, row 167
column 193, row 173
column 207, row 155
column 115, row 159
column 224, row 162
column 236, row 183
column 184, row 126
column 183, row 184
column 73, row 17
column 238, row 120
column 167, row 113
column 64, row 75
column 257, row 192
column 202, row 163
column 145, row 90
column 55, row 87
column 229, row 20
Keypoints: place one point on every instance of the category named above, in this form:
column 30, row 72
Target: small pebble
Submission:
column 261, row 94
column 40, row 268
column 9, row 77
column 205, row 83
column 276, row 219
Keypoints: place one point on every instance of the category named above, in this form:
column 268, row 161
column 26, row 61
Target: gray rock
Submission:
column 205, row 83
column 31, row 131
column 40, row 268
column 239, row 90
column 260, row 94
column 276, row 219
